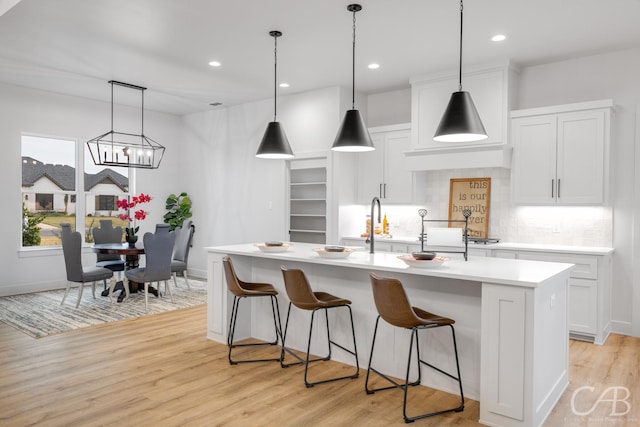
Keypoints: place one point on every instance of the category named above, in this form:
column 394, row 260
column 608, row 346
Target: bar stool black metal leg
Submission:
column 405, row 387
column 275, row 309
column 390, row 380
column 414, row 337
column 232, row 327
column 455, row 349
column 307, row 359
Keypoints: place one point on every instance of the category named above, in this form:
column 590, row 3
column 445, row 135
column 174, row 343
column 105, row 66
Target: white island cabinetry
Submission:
column 511, row 319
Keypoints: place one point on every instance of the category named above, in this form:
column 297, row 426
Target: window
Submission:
column 106, row 203
column 44, row 202
column 55, row 172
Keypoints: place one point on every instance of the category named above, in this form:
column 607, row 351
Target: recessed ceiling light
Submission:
column 373, row 66
column 498, row 38
column 215, row 63
column 284, row 84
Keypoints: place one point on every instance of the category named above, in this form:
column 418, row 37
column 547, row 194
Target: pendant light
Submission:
column 353, row 135
column 274, row 143
column 126, row 149
column 460, row 121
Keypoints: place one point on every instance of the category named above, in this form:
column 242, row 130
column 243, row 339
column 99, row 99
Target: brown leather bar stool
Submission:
column 394, row 307
column 240, row 290
column 301, row 295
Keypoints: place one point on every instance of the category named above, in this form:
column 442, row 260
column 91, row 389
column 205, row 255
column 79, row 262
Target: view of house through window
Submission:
column 56, row 173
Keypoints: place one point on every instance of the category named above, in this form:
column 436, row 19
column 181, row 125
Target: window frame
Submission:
column 79, row 196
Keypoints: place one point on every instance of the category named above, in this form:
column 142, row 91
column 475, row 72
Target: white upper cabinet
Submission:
column 490, row 90
column 382, row 172
column 561, row 154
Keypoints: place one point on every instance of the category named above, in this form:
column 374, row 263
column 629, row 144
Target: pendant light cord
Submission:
column 111, row 106
column 460, row 61
column 142, row 114
column 353, row 64
column 275, row 76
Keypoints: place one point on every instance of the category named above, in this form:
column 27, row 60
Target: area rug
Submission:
column 40, row 314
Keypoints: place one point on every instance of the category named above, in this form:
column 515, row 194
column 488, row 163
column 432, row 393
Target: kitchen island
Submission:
column 511, row 320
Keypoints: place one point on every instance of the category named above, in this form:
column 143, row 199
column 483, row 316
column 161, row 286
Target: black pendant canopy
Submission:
column 274, row 144
column 353, row 135
column 460, row 121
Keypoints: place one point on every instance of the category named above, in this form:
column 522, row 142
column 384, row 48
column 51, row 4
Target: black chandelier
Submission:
column 126, row 149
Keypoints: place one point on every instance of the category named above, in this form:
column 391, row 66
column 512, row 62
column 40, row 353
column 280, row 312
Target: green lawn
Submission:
column 50, row 237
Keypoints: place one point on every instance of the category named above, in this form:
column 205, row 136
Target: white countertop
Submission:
column 480, row 269
column 533, row 247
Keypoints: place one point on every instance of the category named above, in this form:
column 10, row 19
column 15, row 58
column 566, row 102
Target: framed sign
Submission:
column 473, row 194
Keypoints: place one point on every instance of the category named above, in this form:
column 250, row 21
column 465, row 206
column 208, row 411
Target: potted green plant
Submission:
column 178, row 209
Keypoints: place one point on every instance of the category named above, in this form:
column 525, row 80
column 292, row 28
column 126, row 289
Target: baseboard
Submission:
column 31, row 287
column 197, row 273
column 622, row 328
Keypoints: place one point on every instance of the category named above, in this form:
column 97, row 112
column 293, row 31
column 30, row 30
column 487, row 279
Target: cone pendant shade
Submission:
column 353, row 135
column 274, row 143
column 460, row 121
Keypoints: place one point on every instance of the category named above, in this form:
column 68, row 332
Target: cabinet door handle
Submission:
column 385, row 191
column 552, row 187
column 558, row 188
column 380, row 191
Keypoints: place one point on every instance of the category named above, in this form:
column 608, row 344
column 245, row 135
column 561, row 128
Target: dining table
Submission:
column 132, row 260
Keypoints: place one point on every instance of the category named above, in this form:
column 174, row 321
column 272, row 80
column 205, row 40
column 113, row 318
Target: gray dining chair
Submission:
column 107, row 233
column 184, row 235
column 158, row 248
column 76, row 273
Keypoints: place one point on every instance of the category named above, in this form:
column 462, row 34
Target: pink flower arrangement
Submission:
column 128, row 204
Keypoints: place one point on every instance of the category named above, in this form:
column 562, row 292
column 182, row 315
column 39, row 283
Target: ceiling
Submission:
column 76, row 46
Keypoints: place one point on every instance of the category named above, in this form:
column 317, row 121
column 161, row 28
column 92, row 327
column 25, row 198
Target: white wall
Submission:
column 49, row 114
column 613, row 75
column 389, row 108
column 238, row 198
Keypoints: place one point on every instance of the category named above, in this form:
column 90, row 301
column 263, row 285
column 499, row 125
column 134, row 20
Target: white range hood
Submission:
column 492, row 87
column 459, row 157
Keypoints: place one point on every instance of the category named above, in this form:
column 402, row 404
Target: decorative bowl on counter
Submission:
column 269, row 247
column 423, row 256
column 273, row 243
column 432, row 263
column 334, row 248
column 324, row 253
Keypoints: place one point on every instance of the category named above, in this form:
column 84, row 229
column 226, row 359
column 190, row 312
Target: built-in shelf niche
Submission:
column 308, row 201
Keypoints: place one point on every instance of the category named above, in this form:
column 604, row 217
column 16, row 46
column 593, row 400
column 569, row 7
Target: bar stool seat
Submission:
column 300, row 294
column 393, row 306
column 241, row 289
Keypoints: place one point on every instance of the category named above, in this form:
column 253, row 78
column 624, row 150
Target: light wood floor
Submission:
column 161, row 370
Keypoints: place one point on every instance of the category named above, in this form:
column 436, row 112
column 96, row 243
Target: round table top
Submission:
column 117, row 248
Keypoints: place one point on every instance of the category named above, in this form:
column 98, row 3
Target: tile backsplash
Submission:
column 561, row 225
